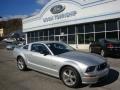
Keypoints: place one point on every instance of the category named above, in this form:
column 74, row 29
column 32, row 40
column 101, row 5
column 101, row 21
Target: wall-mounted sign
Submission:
column 57, row 9
column 60, row 16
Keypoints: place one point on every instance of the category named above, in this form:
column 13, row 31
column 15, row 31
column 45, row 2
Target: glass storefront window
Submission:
column 119, row 35
column 32, row 39
column 85, row 32
column 112, row 35
column 99, row 36
column 119, row 24
column 40, row 38
column 28, row 40
column 32, row 34
column 89, row 38
column 71, row 39
column 51, row 32
column 56, row 38
column 28, row 34
column 45, row 38
column 36, row 34
column 36, row 39
column 99, row 26
column 64, row 30
column 41, row 33
column 89, row 28
column 51, row 38
column 57, row 31
column 71, row 29
column 111, row 25
column 80, row 29
column 45, row 32
column 80, row 38
column 63, row 39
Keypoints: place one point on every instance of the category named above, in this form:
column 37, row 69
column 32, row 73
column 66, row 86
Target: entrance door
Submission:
column 62, row 38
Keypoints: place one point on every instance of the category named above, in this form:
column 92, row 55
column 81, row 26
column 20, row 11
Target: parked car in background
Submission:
column 8, row 40
column 105, row 47
column 12, row 45
column 62, row 61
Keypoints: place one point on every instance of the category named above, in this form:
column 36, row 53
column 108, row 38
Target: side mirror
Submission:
column 45, row 52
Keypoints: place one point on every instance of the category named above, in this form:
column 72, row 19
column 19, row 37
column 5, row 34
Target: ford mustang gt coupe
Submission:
column 62, row 61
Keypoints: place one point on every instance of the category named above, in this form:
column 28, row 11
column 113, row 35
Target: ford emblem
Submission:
column 57, row 9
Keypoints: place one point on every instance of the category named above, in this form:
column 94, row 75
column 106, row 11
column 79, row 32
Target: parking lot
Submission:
column 13, row 79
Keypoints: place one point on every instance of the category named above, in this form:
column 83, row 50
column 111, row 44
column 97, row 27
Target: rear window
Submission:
column 113, row 41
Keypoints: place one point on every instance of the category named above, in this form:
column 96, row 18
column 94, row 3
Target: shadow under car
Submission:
column 112, row 77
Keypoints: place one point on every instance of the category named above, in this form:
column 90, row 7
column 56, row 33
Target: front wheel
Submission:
column 21, row 64
column 70, row 77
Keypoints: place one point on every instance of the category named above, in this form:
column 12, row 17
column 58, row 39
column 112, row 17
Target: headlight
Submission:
column 90, row 69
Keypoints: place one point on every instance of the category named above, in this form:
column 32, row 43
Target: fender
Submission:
column 72, row 64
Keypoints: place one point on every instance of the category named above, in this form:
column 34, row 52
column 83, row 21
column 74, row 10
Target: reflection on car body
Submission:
column 62, row 61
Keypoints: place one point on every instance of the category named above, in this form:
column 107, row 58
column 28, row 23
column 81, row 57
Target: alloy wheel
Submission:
column 20, row 64
column 69, row 77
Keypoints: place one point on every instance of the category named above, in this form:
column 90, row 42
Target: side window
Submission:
column 40, row 48
column 25, row 47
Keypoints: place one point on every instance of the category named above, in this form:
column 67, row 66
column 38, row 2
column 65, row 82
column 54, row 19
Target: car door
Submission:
column 40, row 57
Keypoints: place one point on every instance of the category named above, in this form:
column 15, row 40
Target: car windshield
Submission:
column 59, row 48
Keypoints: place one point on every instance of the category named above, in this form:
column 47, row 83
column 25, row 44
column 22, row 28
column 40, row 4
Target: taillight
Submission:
column 110, row 46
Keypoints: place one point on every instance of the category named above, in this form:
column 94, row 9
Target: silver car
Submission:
column 62, row 61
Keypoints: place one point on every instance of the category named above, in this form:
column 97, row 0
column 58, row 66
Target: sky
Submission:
column 20, row 8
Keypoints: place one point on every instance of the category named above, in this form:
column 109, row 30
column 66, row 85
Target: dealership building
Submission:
column 76, row 22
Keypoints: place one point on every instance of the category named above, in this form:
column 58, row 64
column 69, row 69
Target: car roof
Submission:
column 109, row 40
column 46, row 42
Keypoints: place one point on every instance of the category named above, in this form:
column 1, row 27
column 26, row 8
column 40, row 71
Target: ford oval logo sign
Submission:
column 57, row 9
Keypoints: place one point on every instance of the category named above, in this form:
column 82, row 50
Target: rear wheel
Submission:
column 21, row 64
column 70, row 77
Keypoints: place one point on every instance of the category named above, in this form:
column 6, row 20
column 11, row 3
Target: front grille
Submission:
column 102, row 66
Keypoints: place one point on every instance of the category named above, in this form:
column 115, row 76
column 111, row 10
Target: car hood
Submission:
column 85, row 58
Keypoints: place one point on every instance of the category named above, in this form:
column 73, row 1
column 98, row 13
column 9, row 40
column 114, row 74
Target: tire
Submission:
column 70, row 77
column 21, row 64
column 103, row 53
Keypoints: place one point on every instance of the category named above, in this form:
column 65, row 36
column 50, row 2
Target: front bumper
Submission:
column 94, row 78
